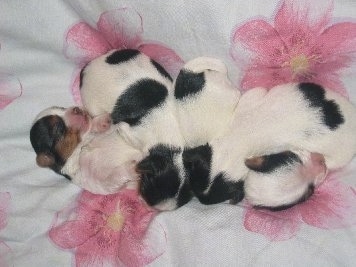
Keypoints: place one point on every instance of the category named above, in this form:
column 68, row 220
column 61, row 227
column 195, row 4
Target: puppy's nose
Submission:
column 77, row 111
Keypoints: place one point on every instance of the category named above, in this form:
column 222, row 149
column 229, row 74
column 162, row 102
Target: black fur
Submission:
column 81, row 77
column 138, row 100
column 274, row 161
column 44, row 135
column 120, row 56
column 197, row 163
column 161, row 70
column 306, row 195
column 315, row 94
column 160, row 179
column 188, row 83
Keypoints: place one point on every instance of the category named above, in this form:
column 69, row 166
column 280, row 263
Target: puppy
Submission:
column 204, row 100
column 137, row 92
column 87, row 151
column 292, row 117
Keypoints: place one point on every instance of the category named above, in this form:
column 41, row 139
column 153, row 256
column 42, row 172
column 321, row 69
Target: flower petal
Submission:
column 100, row 250
column 300, row 21
column 84, row 43
column 10, row 89
column 267, row 77
column 122, row 28
column 72, row 233
column 139, row 248
column 260, row 37
column 339, row 38
column 275, row 225
column 163, row 55
column 4, row 208
column 333, row 205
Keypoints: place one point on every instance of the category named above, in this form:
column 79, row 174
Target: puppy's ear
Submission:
column 269, row 163
column 255, row 163
column 151, row 165
column 45, row 160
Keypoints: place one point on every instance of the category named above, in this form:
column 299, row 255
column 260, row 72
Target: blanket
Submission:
column 47, row 221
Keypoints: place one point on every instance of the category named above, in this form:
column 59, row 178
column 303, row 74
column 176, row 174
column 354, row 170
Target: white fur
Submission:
column 279, row 120
column 206, row 114
column 286, row 184
column 103, row 164
column 103, row 84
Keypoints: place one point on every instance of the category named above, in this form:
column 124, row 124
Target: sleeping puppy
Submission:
column 137, row 92
column 204, row 100
column 87, row 151
column 292, row 117
column 313, row 120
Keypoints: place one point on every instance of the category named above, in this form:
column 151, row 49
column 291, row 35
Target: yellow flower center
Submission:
column 299, row 64
column 116, row 221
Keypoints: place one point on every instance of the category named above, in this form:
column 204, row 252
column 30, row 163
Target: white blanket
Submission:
column 38, row 66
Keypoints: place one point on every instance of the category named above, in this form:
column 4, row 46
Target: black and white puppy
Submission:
column 280, row 145
column 139, row 95
column 87, row 151
column 137, row 92
column 204, row 100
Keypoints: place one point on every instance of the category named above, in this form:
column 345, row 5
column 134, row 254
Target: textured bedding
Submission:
column 47, row 221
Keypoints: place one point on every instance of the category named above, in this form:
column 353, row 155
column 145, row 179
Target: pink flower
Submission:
column 116, row 29
column 299, row 46
column 108, row 230
column 333, row 205
column 4, row 209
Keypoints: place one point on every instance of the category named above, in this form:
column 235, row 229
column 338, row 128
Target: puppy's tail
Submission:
column 202, row 64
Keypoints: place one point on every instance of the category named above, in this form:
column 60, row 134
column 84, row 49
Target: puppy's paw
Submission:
column 102, row 123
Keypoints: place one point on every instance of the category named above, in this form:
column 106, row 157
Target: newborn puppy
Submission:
column 292, row 117
column 204, row 100
column 138, row 94
column 87, row 151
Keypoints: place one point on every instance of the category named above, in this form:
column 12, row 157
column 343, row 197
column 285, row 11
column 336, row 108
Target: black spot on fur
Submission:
column 160, row 178
column 81, row 77
column 185, row 194
column 44, row 135
column 138, row 100
column 161, row 70
column 272, row 162
column 315, row 94
column 188, row 83
column 197, row 163
column 120, row 56
column 308, row 193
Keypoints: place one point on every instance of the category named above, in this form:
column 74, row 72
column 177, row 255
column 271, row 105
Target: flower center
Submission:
column 116, row 221
column 299, row 64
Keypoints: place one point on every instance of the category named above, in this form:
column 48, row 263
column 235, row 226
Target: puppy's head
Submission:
column 55, row 134
column 280, row 181
column 162, row 183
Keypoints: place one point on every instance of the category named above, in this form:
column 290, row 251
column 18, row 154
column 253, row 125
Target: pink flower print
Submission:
column 333, row 205
column 297, row 47
column 10, row 89
column 108, row 230
column 116, row 29
column 4, row 209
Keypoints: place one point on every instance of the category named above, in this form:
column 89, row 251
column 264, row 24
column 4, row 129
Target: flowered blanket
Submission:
column 47, row 221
